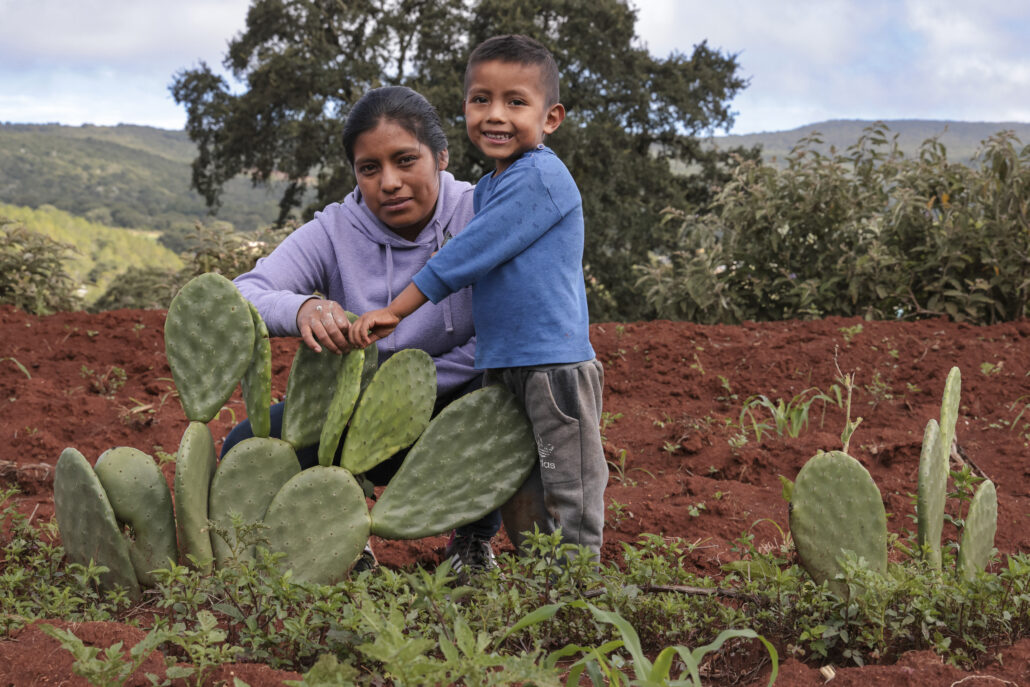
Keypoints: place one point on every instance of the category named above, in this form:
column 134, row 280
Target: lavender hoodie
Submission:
column 348, row 255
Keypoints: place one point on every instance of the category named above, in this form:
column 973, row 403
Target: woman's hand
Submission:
column 324, row 322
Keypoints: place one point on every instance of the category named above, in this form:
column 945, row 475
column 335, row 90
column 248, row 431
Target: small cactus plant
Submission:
column 836, row 507
column 933, row 471
column 318, row 518
column 978, row 533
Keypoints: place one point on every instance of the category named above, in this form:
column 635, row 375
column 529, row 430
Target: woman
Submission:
column 360, row 253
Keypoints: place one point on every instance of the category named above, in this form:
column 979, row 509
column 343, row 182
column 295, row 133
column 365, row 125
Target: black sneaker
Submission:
column 469, row 555
column 366, row 561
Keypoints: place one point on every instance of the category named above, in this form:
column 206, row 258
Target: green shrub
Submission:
column 32, row 271
column 865, row 233
column 142, row 288
column 210, row 248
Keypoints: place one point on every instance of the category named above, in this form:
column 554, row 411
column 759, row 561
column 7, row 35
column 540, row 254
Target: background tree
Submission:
column 629, row 140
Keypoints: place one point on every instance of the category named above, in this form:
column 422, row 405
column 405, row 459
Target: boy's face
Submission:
column 506, row 110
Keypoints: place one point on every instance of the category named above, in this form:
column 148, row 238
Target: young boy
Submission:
column 523, row 252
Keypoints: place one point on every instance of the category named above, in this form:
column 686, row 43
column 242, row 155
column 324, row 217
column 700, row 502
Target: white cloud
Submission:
column 112, row 60
column 933, row 59
column 133, row 32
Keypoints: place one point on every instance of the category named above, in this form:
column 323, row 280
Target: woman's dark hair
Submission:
column 397, row 104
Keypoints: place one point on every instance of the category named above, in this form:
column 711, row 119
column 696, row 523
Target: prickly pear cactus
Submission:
column 933, row 470
column 141, row 500
column 209, row 341
column 348, row 388
column 194, row 467
column 89, row 529
column 394, row 410
column 478, row 451
column 319, row 519
column 257, row 380
column 836, row 507
column 932, row 490
column 978, row 532
column 309, row 391
column 246, row 481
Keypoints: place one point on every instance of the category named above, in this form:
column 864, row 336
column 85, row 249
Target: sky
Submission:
column 110, row 61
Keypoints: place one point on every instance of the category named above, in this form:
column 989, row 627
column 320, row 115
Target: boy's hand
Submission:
column 323, row 323
column 372, row 326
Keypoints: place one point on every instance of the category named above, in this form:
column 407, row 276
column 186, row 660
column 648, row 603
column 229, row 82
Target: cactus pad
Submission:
column 209, row 341
column 140, row 498
column 89, row 530
column 949, row 408
column 348, row 387
column 478, row 451
column 248, row 477
column 394, row 409
column 319, row 519
column 257, row 380
column 978, row 532
column 309, row 391
column 194, row 466
column 836, row 507
column 371, row 357
column 931, row 493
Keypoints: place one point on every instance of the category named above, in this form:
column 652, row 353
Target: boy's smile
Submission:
column 506, row 110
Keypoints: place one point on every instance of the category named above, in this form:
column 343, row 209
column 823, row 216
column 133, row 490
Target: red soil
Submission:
column 671, row 387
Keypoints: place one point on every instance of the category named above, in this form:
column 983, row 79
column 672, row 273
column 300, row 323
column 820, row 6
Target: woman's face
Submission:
column 397, row 176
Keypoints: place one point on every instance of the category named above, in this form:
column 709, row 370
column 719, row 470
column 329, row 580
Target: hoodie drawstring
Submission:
column 448, row 315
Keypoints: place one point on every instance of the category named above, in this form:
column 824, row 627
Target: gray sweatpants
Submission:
column 566, row 487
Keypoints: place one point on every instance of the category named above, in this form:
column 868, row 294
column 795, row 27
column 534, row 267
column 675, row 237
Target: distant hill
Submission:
column 961, row 139
column 139, row 176
column 127, row 176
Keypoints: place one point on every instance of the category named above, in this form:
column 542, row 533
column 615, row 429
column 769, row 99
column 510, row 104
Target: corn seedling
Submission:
column 603, row 666
column 18, row 365
column 848, row 384
column 107, row 383
column 789, row 417
column 607, row 420
column 850, row 333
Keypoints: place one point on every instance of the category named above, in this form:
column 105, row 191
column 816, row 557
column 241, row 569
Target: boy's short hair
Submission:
column 522, row 50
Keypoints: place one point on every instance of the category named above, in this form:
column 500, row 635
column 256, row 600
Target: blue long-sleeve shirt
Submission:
column 523, row 254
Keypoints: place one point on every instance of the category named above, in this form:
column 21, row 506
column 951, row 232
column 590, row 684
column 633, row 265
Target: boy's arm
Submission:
column 378, row 324
column 519, row 211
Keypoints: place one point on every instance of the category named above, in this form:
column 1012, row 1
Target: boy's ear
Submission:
column 442, row 158
column 555, row 116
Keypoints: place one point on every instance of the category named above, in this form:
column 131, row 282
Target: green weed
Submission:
column 104, row 383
